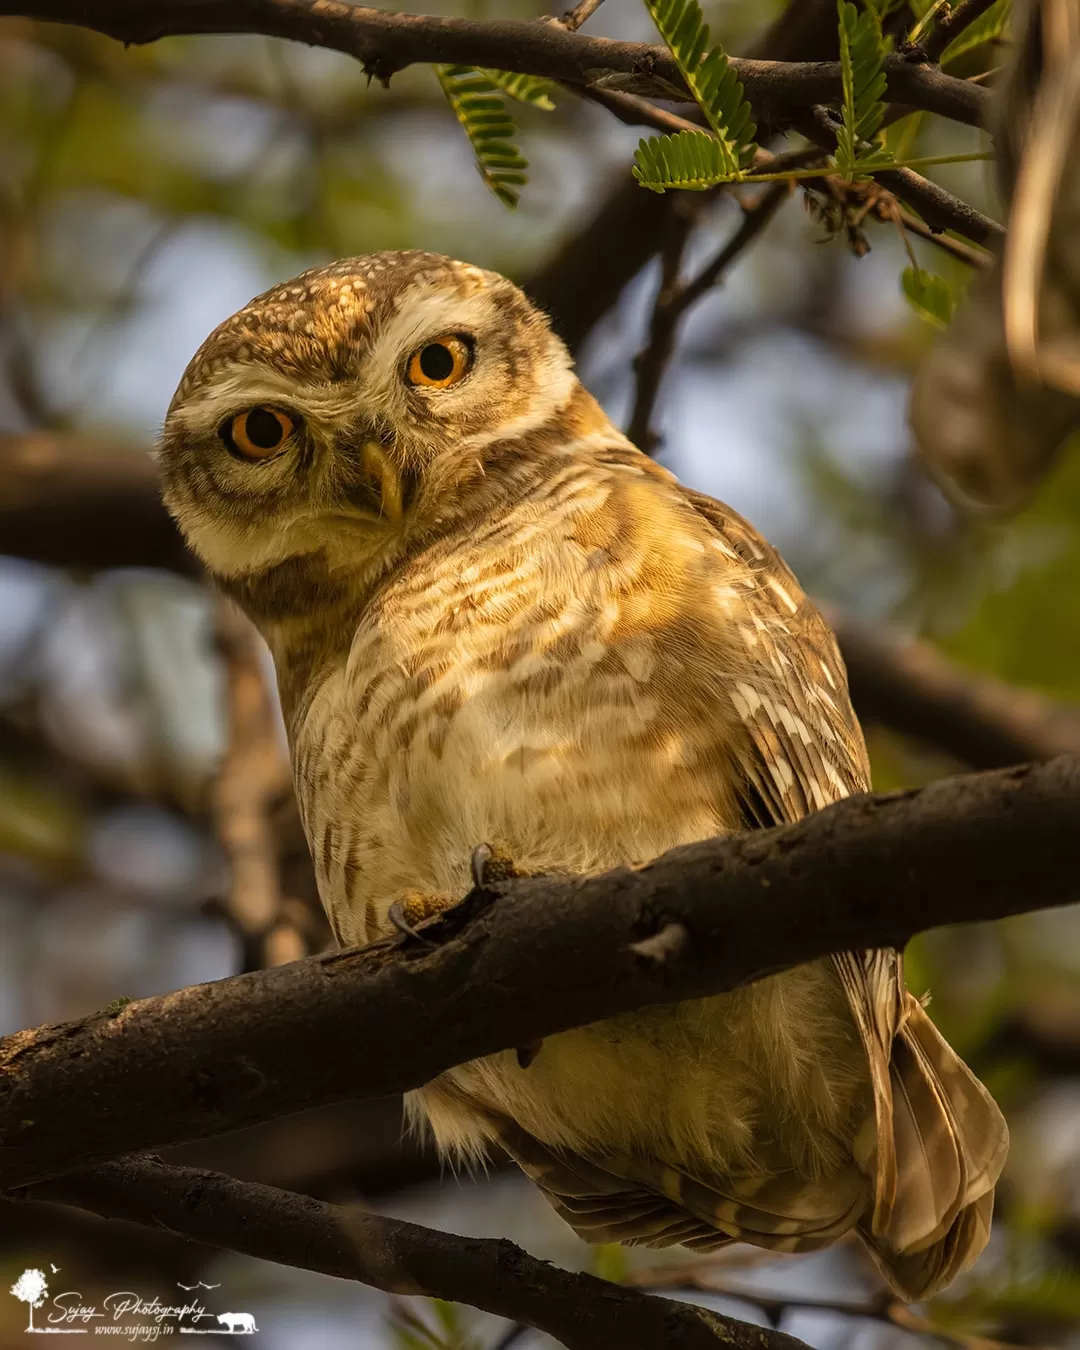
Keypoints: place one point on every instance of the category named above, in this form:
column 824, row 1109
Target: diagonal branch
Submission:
column 952, row 22
column 908, row 685
column 869, row 871
column 386, row 43
column 673, row 299
column 583, row 1312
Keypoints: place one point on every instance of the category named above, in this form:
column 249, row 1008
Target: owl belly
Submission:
column 571, row 788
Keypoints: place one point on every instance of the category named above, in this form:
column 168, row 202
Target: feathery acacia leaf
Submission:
column 690, row 160
column 529, row 89
column 929, row 295
column 711, row 79
column 862, row 52
column 482, row 113
column 987, row 27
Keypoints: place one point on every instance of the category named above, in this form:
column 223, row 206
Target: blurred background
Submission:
column 146, row 194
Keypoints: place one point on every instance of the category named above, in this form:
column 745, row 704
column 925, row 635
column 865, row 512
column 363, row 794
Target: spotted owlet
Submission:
column 495, row 620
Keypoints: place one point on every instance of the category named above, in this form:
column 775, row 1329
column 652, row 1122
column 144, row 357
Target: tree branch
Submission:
column 386, row 43
column 908, row 685
column 951, row 23
column 673, row 299
column 584, row 277
column 940, row 209
column 868, row 871
column 583, row 1312
column 74, row 502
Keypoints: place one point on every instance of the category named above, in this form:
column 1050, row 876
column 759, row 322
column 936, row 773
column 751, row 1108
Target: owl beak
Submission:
column 385, row 478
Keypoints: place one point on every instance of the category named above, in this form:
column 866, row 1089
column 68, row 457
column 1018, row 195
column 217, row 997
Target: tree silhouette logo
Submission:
column 32, row 1288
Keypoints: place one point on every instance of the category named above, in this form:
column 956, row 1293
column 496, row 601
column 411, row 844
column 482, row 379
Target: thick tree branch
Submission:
column 386, row 43
column 73, row 502
column 543, row 955
column 581, row 1311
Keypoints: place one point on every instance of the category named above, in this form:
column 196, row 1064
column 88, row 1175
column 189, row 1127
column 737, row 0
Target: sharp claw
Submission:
column 527, row 1053
column 481, row 856
column 396, row 915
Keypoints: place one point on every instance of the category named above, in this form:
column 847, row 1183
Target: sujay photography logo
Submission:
column 123, row 1313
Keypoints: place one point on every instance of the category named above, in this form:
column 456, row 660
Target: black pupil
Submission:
column 263, row 429
column 437, row 361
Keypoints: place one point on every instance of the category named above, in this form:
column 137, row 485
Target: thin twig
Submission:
column 673, row 300
column 580, row 1310
column 974, row 257
column 573, row 20
column 940, row 209
column 951, row 24
column 649, row 365
column 634, row 111
column 883, row 1307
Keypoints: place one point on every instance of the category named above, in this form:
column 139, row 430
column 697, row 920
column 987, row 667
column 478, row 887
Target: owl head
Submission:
column 339, row 411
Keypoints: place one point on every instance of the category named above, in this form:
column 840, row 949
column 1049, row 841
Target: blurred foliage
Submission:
column 441, row 1326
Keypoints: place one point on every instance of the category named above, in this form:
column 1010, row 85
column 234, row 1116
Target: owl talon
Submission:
column 416, row 907
column 396, row 915
column 491, row 864
column 527, row 1053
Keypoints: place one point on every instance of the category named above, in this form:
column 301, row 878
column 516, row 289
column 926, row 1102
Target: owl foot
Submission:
column 416, row 907
column 491, row 864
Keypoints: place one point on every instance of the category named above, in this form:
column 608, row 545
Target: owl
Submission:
column 495, row 622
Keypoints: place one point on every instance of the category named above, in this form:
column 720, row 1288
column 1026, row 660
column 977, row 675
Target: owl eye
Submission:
column 440, row 363
column 258, row 433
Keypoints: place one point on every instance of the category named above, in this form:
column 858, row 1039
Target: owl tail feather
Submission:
column 949, row 1142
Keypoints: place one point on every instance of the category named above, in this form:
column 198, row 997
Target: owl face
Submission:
column 339, row 410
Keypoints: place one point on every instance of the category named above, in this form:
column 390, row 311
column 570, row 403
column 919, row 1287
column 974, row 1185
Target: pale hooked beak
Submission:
column 385, row 479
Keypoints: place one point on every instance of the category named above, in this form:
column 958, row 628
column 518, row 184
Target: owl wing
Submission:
column 803, row 749
column 793, row 743
column 940, row 1139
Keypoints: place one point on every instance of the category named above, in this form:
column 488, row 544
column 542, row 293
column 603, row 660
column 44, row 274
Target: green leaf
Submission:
column 529, row 89
column 862, row 53
column 986, row 28
column 490, row 128
column 710, row 78
column 929, row 295
column 690, row 160
column 609, row 1262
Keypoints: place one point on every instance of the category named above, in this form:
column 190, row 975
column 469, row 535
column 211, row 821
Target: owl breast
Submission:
column 556, row 695
column 526, row 700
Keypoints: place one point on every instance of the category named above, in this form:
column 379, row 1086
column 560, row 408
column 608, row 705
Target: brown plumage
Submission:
column 494, row 620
